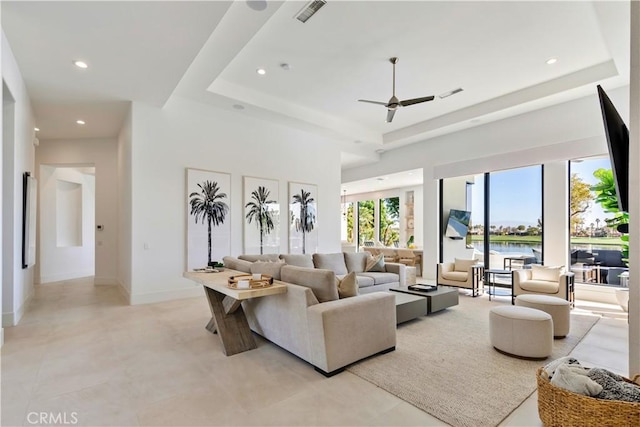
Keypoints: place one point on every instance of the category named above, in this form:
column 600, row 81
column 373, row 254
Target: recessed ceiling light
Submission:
column 551, row 61
column 36, row 129
column 80, row 122
column 258, row 5
column 238, row 106
column 261, row 71
column 80, row 64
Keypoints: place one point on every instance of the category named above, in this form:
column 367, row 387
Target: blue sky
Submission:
column 516, row 194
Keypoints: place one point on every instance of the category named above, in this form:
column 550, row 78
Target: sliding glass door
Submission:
column 597, row 249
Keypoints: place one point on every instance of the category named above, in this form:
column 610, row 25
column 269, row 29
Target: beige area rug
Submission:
column 445, row 365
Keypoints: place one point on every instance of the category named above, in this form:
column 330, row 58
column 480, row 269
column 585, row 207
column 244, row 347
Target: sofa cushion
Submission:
column 458, row 276
column 543, row 286
column 264, row 257
column 333, row 262
column 541, row 272
column 270, row 268
column 463, row 264
column 321, row 282
column 347, row 286
column 237, row 264
column 356, row 261
column 381, row 278
column 364, row 281
column 375, row 263
column 298, row 260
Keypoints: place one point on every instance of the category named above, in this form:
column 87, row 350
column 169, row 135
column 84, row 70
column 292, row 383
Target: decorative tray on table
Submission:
column 247, row 281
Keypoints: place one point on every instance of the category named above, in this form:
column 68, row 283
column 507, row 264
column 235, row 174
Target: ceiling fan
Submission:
column 394, row 103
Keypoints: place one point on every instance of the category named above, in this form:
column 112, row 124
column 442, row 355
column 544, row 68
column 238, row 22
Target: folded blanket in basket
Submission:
column 567, row 373
column 614, row 387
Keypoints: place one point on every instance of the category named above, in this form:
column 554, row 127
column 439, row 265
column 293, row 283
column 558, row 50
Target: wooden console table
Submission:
column 227, row 316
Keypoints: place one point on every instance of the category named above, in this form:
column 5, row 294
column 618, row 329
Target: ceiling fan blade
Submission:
column 390, row 114
column 373, row 102
column 407, row 102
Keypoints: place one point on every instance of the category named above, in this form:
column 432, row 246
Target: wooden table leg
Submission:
column 230, row 322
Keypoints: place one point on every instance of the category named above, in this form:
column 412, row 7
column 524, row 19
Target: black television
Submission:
column 458, row 224
column 618, row 142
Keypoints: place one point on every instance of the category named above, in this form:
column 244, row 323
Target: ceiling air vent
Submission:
column 309, row 10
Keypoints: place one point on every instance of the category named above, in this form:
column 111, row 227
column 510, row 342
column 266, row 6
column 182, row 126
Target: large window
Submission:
column 366, row 222
column 389, row 227
column 515, row 206
column 596, row 247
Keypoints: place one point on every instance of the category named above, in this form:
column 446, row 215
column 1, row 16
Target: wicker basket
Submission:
column 560, row 407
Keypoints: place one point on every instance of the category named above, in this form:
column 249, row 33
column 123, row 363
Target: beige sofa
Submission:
column 463, row 273
column 341, row 264
column 329, row 335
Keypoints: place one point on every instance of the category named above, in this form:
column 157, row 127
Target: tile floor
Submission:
column 80, row 353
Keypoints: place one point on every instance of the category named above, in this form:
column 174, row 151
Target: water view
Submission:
column 521, row 248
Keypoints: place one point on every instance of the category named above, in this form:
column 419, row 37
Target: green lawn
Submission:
column 614, row 241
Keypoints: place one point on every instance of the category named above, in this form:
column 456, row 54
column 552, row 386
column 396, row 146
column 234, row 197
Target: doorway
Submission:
column 67, row 222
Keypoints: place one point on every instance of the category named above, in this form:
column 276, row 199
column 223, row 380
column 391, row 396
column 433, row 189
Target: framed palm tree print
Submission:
column 261, row 217
column 303, row 218
column 208, row 219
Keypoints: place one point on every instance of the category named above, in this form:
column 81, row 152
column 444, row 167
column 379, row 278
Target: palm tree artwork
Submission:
column 259, row 213
column 207, row 205
column 306, row 219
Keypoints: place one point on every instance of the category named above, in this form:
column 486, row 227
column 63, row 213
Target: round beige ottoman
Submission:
column 558, row 308
column 521, row 331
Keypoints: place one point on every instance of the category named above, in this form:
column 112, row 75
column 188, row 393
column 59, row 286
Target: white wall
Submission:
column 561, row 132
column 186, row 134
column 18, row 155
column 1, row 184
column 124, row 206
column 556, row 213
column 62, row 258
column 634, row 194
column 103, row 155
column 454, row 197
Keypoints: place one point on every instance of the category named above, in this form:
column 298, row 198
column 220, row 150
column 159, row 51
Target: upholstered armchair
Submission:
column 543, row 280
column 462, row 273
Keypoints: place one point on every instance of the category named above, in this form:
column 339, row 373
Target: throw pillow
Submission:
column 375, row 264
column 347, row 286
column 464, row 264
column 550, row 274
column 267, row 267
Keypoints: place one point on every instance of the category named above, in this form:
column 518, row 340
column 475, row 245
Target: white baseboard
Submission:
column 105, row 281
column 65, row 276
column 153, row 297
column 13, row 318
column 124, row 292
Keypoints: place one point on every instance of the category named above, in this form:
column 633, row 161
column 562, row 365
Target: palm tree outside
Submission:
column 307, row 218
column 207, row 206
column 260, row 213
